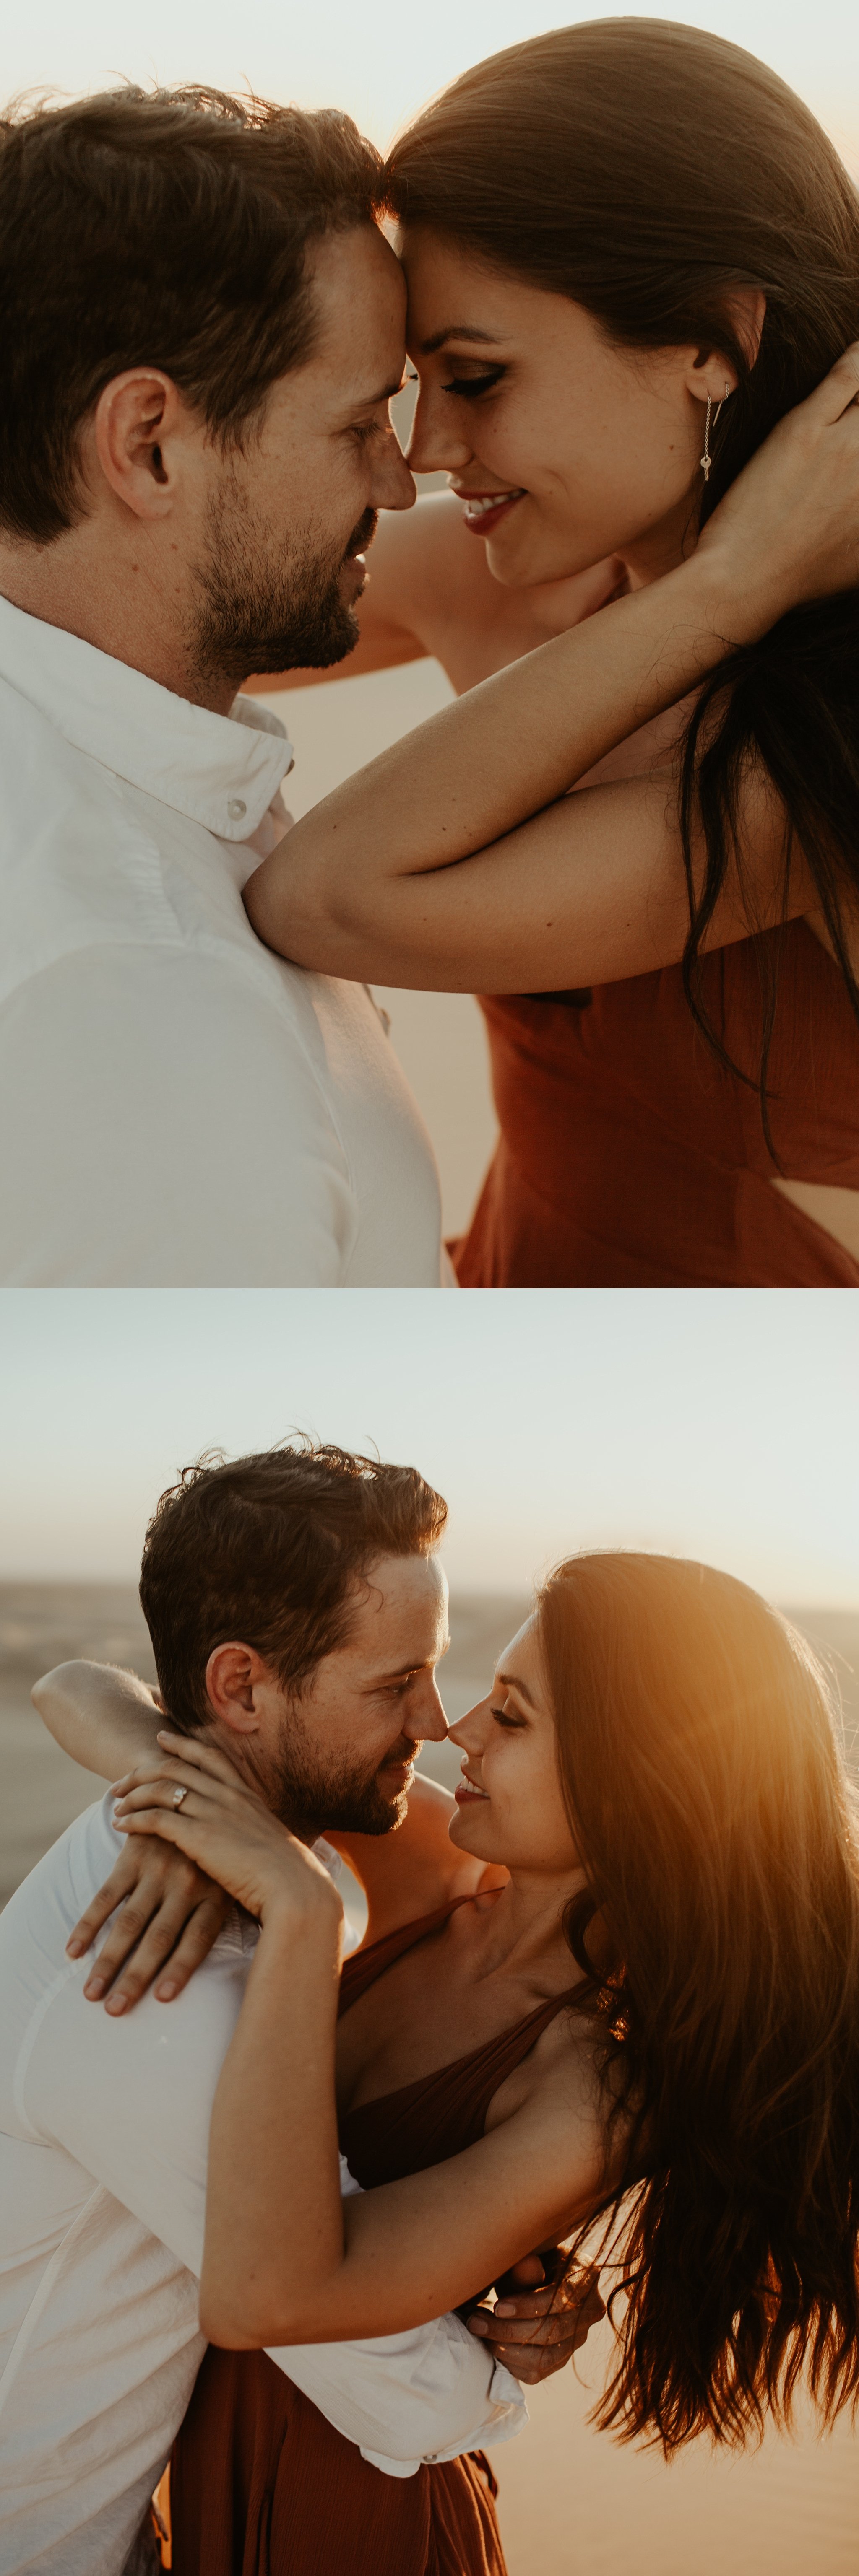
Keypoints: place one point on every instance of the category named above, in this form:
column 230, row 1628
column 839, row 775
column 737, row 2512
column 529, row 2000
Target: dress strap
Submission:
column 422, row 2123
column 362, row 1969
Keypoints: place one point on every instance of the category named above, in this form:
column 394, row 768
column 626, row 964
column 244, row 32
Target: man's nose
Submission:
column 426, row 1720
column 394, row 485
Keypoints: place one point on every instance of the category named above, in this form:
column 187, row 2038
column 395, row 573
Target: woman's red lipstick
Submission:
column 482, row 510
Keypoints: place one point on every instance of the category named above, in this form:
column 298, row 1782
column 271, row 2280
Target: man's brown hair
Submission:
column 269, row 1550
column 166, row 229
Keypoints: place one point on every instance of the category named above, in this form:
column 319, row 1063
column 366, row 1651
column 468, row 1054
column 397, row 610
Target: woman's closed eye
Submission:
column 507, row 1717
column 468, row 387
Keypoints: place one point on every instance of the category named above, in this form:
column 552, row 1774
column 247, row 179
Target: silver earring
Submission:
column 706, row 460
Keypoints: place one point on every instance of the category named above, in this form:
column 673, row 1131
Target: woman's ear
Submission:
column 712, row 376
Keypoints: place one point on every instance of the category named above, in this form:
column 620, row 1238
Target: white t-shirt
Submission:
column 103, row 2143
column 178, row 1108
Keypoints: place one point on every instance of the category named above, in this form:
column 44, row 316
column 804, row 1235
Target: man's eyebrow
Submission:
column 404, row 1672
column 368, row 402
column 511, row 1681
column 455, row 331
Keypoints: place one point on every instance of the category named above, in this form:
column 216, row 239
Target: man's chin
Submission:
column 398, row 1808
column 307, row 653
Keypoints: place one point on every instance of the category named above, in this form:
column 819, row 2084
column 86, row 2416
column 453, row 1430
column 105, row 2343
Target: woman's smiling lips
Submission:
column 482, row 510
column 466, row 1792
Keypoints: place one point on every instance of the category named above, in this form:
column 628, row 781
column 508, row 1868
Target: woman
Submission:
column 629, row 249
column 651, row 2030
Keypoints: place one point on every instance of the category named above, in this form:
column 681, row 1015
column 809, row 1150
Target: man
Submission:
column 201, row 327
column 297, row 1612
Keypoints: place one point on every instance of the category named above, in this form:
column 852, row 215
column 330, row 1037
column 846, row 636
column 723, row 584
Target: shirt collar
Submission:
column 221, row 771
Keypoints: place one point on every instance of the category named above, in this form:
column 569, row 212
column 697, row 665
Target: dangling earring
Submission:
column 706, row 460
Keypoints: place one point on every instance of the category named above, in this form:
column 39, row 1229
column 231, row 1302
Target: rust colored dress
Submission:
column 260, row 2483
column 630, row 1158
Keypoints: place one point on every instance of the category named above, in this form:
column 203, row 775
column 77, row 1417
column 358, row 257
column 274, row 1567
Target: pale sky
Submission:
column 720, row 1424
column 381, row 61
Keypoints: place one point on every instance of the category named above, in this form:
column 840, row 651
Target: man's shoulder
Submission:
column 36, row 1922
column 41, row 1990
column 56, row 1890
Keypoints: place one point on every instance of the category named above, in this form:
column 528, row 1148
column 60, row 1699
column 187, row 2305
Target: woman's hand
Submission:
column 224, row 1826
column 789, row 526
column 170, row 1913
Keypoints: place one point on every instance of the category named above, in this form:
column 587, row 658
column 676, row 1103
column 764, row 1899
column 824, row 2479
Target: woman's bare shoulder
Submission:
column 562, row 2069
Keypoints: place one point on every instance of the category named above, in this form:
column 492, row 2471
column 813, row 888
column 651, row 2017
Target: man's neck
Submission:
column 116, row 598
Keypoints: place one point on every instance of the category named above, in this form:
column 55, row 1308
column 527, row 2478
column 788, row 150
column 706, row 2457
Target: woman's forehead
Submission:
column 522, row 1659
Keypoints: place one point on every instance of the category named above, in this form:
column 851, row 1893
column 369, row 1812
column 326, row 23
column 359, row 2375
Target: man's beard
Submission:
column 314, row 1797
column 257, row 610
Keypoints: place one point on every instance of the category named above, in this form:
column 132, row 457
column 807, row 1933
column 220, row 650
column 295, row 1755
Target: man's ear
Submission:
column 712, row 376
column 137, row 429
column 233, row 1676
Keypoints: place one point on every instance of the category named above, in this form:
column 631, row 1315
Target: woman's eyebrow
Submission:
column 511, row 1681
column 455, row 331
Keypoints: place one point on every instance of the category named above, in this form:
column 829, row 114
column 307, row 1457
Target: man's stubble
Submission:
column 315, row 1796
column 260, row 608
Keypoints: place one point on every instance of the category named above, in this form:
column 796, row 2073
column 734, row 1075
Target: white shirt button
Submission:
column 236, row 809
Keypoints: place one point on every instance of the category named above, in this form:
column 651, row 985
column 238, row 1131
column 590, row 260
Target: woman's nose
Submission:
column 471, row 1730
column 436, row 445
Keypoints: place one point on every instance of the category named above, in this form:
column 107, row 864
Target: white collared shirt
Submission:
column 178, row 1108
column 104, row 2128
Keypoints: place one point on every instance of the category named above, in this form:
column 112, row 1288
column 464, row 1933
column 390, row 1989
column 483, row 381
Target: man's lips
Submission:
column 399, row 1765
column 482, row 510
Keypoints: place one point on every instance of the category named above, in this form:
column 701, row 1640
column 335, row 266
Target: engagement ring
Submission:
column 178, row 1795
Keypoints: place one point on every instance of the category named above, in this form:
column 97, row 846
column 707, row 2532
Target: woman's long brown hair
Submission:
column 645, row 170
column 702, row 1771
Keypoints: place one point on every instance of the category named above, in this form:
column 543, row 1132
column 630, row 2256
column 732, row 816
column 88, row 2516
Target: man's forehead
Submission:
column 400, row 1611
column 360, row 297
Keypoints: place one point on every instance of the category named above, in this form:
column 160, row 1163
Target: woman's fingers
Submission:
column 839, row 389
column 164, row 1821
column 157, row 1784
column 235, row 1840
column 215, row 1780
column 205, row 1757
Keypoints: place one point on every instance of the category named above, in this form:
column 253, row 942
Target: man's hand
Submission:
column 539, row 2321
column 168, row 1914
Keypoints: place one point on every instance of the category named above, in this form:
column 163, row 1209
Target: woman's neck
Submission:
column 519, row 1929
column 662, row 548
